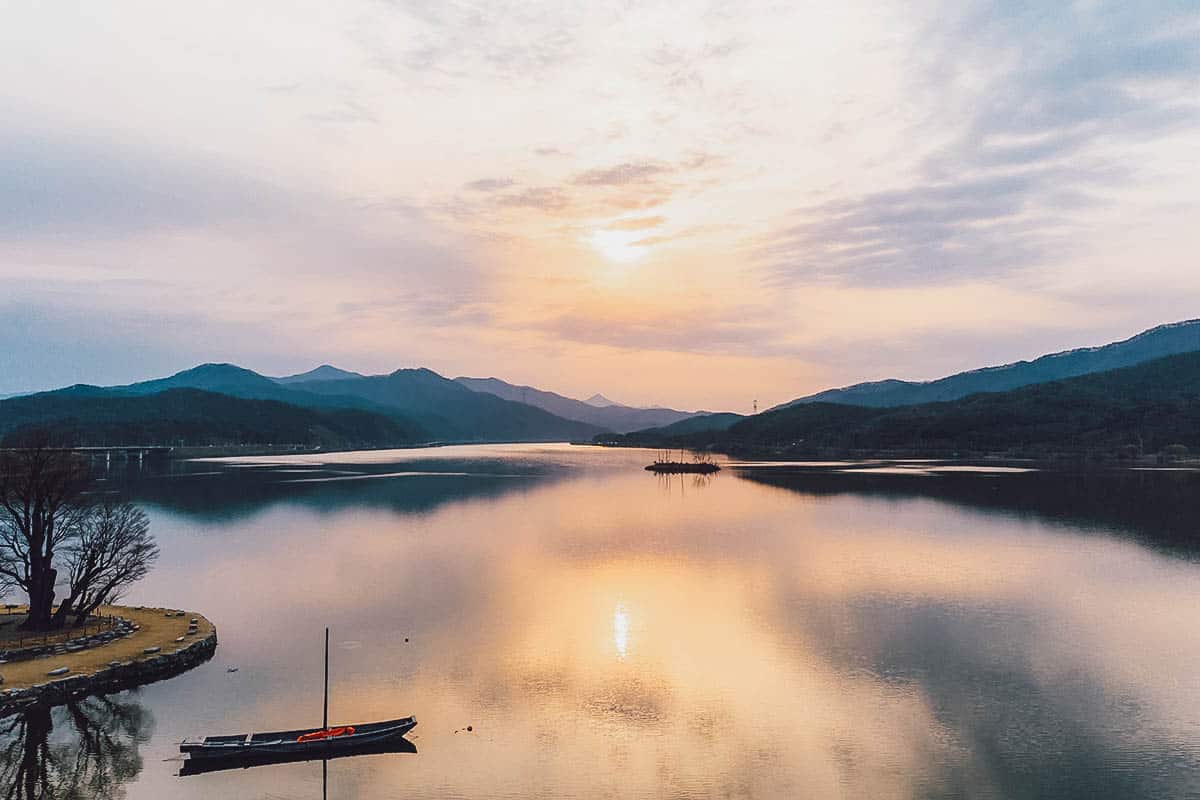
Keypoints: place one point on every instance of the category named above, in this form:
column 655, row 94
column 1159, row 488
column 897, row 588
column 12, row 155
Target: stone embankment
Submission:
column 140, row 653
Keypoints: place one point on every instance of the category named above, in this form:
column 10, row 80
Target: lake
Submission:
column 883, row 631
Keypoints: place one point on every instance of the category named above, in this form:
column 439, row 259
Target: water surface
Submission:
column 767, row 632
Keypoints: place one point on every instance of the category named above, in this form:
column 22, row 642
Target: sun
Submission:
column 620, row 247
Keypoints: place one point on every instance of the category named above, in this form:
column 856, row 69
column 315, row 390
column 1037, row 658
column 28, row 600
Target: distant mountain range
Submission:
column 326, row 407
column 597, row 410
column 1150, row 408
column 1165, row 340
column 1126, row 392
column 407, row 406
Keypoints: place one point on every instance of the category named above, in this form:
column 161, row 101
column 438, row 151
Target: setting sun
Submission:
column 620, row 247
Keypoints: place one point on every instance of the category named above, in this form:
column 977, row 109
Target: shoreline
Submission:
column 148, row 646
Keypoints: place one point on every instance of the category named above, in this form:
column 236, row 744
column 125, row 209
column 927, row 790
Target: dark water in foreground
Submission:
column 609, row 634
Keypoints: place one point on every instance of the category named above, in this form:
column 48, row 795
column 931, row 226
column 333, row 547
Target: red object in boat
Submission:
column 327, row 733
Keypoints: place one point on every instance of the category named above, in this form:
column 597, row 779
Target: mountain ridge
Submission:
column 613, row 417
column 417, row 398
column 1162, row 340
column 1150, row 407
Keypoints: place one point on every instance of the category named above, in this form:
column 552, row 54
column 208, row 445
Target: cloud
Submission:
column 689, row 232
column 709, row 329
column 630, row 172
column 63, row 184
column 489, row 184
column 541, row 198
column 1059, row 96
column 981, row 226
column 635, row 223
column 459, row 39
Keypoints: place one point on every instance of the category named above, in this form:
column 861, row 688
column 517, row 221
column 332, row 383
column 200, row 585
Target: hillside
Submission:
column 1164, row 340
column 1148, row 408
column 451, row 411
column 596, row 410
column 702, row 423
column 422, row 399
column 236, row 381
column 192, row 417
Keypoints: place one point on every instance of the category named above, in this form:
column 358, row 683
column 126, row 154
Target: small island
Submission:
column 125, row 647
column 675, row 467
column 699, row 463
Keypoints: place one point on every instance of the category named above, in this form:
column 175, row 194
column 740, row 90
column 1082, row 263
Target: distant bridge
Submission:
column 127, row 451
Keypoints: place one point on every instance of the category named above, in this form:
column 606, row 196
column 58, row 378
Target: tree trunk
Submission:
column 59, row 620
column 41, row 600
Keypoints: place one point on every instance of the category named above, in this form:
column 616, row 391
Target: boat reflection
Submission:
column 200, row 766
column 87, row 748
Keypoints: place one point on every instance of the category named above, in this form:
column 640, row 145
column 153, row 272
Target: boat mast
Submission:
column 325, row 712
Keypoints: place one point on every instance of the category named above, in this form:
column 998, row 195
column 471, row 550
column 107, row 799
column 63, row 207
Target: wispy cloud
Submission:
column 489, row 184
column 631, row 172
column 541, row 198
column 636, row 223
column 1059, row 98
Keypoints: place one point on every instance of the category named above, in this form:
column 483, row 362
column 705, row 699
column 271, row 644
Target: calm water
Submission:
column 774, row 632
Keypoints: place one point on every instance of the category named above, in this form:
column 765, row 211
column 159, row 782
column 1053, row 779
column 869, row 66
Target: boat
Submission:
column 206, row 757
column 306, row 742
column 300, row 744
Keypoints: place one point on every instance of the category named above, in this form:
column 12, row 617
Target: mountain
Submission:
column 418, row 399
column 453, row 411
column 92, row 416
column 607, row 415
column 223, row 378
column 1146, row 408
column 702, row 423
column 240, row 382
column 325, row 372
column 1165, row 340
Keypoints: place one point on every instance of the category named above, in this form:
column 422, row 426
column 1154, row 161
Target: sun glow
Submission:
column 620, row 247
column 621, row 630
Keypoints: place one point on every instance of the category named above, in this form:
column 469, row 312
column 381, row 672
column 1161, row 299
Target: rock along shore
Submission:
column 152, row 664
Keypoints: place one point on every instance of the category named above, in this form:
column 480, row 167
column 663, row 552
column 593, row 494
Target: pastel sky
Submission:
column 691, row 203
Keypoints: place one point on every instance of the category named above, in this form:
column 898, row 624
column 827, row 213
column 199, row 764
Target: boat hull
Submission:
column 201, row 766
column 284, row 743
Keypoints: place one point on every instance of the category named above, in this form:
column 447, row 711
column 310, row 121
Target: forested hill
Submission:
column 88, row 416
column 1159, row 342
column 415, row 399
column 1147, row 408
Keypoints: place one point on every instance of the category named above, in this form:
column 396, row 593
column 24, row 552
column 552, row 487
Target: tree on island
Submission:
column 52, row 534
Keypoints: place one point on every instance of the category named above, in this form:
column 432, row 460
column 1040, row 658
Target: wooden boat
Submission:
column 303, row 743
column 297, row 741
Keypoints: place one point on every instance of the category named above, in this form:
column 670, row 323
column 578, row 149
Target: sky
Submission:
column 696, row 204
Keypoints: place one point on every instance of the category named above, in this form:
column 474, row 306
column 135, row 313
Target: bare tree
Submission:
column 112, row 548
column 40, row 487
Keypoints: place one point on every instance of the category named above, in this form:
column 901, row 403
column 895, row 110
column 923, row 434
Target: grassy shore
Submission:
column 157, row 630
